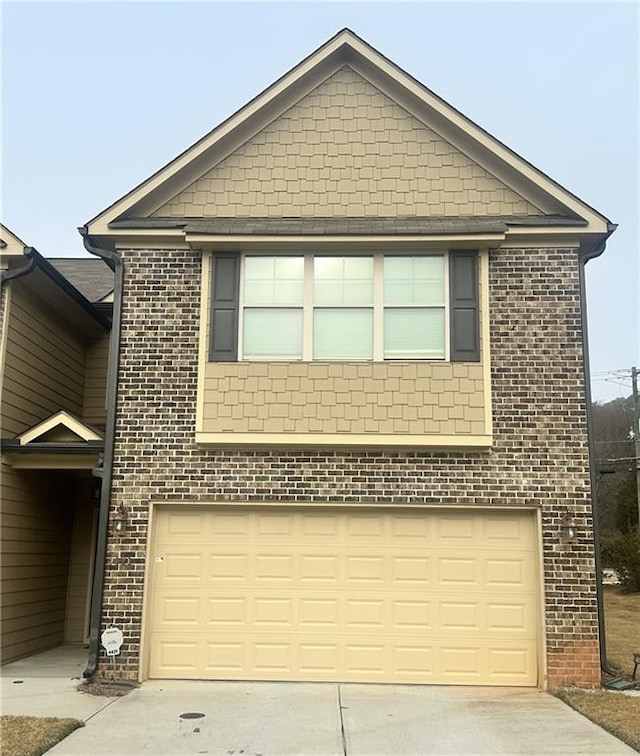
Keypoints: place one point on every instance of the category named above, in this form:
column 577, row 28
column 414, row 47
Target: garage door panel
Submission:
column 319, row 613
column 182, row 567
column 510, row 618
column 323, row 595
column 226, row 611
column 457, row 527
column 365, row 569
column 411, row 616
column 228, row 567
column 319, row 568
column 510, row 662
column 270, row 612
column 224, row 658
column 460, row 571
column 180, row 611
column 318, row 658
column 505, row 573
column 411, row 570
column 274, row 524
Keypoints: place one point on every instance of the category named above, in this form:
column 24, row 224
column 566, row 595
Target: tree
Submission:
column 614, row 455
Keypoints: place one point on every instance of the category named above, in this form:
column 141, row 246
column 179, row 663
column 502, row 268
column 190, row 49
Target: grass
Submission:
column 32, row 736
column 622, row 628
column 617, row 713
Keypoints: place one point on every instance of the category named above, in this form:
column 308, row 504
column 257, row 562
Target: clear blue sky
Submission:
column 97, row 96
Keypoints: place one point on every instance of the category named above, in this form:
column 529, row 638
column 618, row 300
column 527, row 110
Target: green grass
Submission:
column 32, row 736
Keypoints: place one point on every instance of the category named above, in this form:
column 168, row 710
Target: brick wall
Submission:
column 539, row 457
column 346, row 149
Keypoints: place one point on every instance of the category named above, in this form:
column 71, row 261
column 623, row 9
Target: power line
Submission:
column 623, row 371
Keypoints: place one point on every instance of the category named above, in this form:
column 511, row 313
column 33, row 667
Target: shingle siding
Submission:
column 539, row 458
column 346, row 149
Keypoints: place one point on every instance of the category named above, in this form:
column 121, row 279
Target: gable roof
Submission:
column 10, row 244
column 65, row 421
column 344, row 49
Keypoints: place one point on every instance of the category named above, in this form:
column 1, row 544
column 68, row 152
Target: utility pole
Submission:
column 636, row 432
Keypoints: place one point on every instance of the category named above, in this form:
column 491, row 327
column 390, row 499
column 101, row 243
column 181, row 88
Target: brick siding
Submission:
column 539, row 457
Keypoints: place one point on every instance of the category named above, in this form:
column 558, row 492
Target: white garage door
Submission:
column 353, row 596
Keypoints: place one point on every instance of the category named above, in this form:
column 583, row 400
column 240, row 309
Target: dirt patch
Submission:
column 106, row 688
column 32, row 736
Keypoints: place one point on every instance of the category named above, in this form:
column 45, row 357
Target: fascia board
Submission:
column 454, row 118
column 10, row 244
column 51, row 461
column 244, row 242
column 342, row 440
column 60, row 418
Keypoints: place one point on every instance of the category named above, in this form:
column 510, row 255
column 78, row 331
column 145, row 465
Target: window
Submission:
column 380, row 306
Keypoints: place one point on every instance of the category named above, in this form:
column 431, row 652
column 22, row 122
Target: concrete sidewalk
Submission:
column 297, row 719
column 46, row 685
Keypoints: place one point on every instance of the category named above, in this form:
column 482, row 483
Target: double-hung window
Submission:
column 272, row 308
column 381, row 306
column 343, row 308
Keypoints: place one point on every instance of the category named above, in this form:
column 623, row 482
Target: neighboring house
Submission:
column 54, row 352
column 349, row 438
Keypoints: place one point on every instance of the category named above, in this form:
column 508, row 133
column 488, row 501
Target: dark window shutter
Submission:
column 464, row 306
column 225, row 291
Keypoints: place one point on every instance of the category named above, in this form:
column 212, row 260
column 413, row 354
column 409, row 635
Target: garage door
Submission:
column 353, row 596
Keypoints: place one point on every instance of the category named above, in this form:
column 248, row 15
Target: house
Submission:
column 54, row 353
column 348, row 439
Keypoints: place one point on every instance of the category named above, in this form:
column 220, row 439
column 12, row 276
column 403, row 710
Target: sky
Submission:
column 98, row 96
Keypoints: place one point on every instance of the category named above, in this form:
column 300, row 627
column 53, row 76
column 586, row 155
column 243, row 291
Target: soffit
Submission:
column 76, row 311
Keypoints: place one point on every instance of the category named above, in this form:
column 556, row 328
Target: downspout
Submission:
column 115, row 263
column 602, row 642
column 10, row 275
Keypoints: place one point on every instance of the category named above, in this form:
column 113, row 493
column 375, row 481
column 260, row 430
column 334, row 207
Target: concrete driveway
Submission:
column 304, row 719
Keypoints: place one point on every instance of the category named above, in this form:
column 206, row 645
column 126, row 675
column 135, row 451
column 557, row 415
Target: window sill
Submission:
column 345, row 440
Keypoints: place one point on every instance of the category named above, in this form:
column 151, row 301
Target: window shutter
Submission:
column 225, row 291
column 464, row 306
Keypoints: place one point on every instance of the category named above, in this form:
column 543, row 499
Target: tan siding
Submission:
column 44, row 366
column 388, row 398
column 95, row 388
column 36, row 520
column 346, row 149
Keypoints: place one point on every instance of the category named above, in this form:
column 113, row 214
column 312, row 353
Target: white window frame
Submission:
column 378, row 305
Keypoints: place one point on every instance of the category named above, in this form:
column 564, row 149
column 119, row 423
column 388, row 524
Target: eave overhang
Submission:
column 52, row 456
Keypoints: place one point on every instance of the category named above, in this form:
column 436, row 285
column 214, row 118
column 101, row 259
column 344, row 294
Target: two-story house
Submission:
column 348, row 439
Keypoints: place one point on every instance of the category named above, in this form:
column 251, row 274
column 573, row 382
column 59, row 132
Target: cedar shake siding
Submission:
column 346, row 149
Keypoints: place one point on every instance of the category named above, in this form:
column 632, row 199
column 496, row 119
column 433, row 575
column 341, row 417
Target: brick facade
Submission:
column 539, row 457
